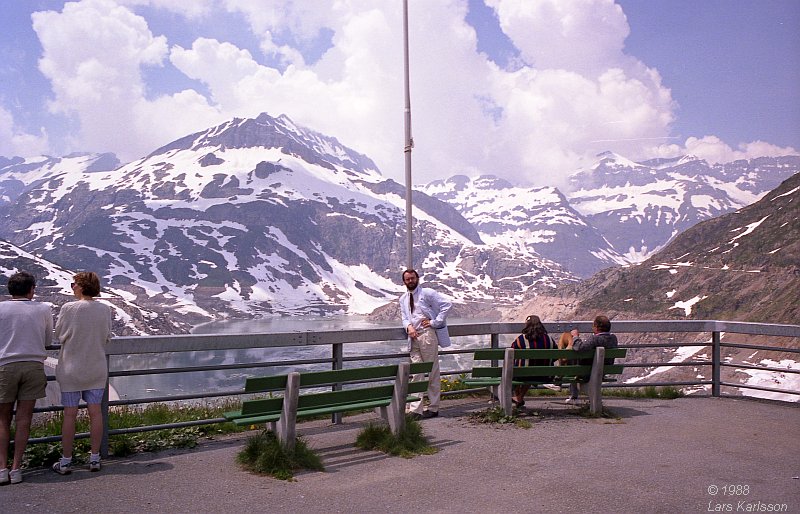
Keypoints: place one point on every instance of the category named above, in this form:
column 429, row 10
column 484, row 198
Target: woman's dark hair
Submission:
column 89, row 283
column 533, row 328
column 21, row 283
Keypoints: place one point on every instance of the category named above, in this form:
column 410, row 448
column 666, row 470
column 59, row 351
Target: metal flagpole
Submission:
column 409, row 144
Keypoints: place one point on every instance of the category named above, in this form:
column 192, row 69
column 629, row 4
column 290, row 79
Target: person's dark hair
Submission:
column 403, row 276
column 602, row 323
column 533, row 328
column 21, row 283
column 89, row 283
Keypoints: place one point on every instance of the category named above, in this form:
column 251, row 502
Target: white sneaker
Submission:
column 4, row 476
column 15, row 476
column 94, row 465
column 62, row 469
column 571, row 401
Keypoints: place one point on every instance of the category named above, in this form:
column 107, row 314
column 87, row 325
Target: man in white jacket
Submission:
column 27, row 327
column 424, row 313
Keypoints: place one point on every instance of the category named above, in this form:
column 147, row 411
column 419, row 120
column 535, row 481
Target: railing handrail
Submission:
column 127, row 345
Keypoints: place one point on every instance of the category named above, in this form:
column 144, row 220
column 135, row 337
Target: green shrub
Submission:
column 496, row 414
column 264, row 454
column 406, row 444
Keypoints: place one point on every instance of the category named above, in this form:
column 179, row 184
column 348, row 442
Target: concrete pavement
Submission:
column 685, row 455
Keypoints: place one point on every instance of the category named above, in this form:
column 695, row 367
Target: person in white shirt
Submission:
column 83, row 329
column 27, row 328
column 424, row 312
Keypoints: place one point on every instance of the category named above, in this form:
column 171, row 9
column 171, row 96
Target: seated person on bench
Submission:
column 533, row 336
column 602, row 336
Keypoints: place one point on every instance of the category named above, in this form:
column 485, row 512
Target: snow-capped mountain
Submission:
column 53, row 287
column 617, row 211
column 640, row 207
column 262, row 216
column 257, row 217
column 536, row 221
column 18, row 174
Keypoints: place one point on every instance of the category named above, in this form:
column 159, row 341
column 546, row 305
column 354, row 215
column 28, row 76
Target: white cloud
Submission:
column 14, row 141
column 468, row 115
column 585, row 36
column 94, row 55
column 579, row 93
column 714, row 150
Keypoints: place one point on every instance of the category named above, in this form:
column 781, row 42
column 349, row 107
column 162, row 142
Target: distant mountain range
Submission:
column 259, row 217
column 741, row 266
column 618, row 211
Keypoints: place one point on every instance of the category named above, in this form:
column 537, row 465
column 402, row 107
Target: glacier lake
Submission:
column 230, row 380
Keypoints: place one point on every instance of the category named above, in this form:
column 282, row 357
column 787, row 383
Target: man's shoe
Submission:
column 430, row 414
column 94, row 465
column 571, row 401
column 15, row 476
column 4, row 476
column 62, row 469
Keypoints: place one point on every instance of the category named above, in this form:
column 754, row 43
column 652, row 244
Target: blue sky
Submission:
column 526, row 89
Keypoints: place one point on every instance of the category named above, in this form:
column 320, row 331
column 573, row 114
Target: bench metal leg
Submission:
column 287, row 425
column 596, row 381
column 396, row 410
column 506, row 380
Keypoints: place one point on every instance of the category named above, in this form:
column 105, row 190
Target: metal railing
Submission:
column 707, row 336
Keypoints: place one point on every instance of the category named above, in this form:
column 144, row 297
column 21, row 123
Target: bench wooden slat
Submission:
column 418, row 387
column 487, row 372
column 338, row 376
column 316, row 378
column 345, row 396
column 264, row 384
column 256, row 420
column 263, row 405
column 343, row 407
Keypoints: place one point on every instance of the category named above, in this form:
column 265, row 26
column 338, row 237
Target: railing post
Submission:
column 716, row 363
column 494, row 390
column 104, row 410
column 338, row 363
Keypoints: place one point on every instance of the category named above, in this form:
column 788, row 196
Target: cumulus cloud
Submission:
column 94, row 53
column 15, row 141
column 714, row 150
column 337, row 67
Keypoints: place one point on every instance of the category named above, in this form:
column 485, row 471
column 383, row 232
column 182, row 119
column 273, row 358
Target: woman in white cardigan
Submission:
column 83, row 329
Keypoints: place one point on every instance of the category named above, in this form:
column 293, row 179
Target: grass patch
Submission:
column 265, row 455
column 497, row 415
column 122, row 445
column 455, row 384
column 663, row 393
column 407, row 444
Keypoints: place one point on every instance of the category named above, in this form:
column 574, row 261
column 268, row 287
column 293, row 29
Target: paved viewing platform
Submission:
column 684, row 455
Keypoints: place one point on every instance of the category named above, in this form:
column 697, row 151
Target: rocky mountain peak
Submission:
column 268, row 132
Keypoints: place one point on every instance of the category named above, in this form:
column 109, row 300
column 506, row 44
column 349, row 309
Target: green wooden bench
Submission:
column 506, row 375
column 282, row 412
